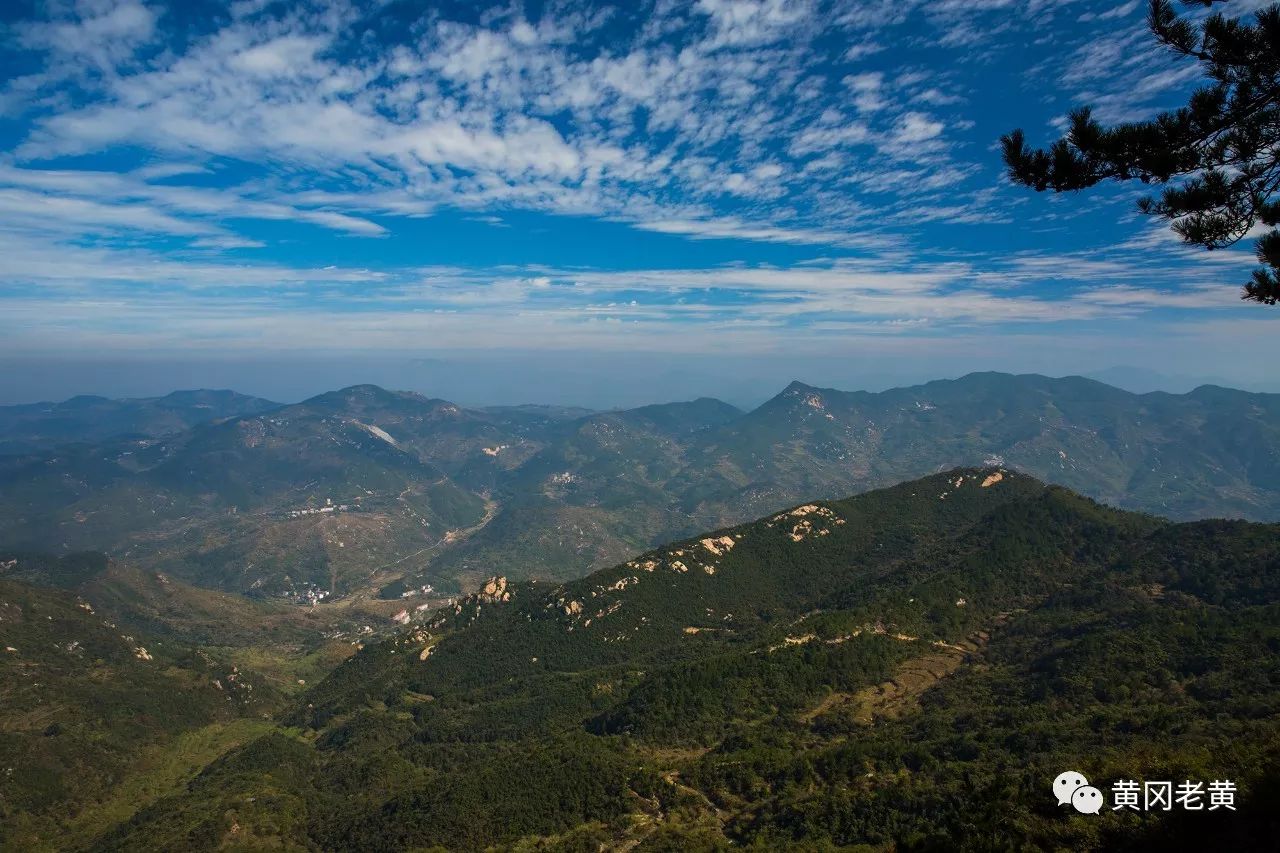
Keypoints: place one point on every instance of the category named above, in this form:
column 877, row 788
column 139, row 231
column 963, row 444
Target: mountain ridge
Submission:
column 43, row 425
column 559, row 495
column 906, row 668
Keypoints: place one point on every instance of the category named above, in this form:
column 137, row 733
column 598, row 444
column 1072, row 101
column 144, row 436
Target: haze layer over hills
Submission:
column 84, row 419
column 370, row 491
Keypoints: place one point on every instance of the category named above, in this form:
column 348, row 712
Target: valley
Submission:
column 322, row 500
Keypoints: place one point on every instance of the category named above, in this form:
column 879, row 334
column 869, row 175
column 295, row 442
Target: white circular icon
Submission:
column 1087, row 799
column 1066, row 783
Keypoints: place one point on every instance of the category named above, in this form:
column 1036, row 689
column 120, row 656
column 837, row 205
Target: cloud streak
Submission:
column 784, row 174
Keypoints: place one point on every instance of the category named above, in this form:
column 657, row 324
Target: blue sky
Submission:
column 582, row 201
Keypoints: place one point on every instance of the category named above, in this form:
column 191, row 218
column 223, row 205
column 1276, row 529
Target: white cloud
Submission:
column 507, row 113
column 108, row 292
column 100, row 33
column 917, row 127
column 100, row 202
column 81, row 215
column 746, row 22
column 732, row 120
column 732, row 229
column 866, row 88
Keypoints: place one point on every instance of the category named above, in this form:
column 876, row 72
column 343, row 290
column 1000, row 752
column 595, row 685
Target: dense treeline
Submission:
column 911, row 679
column 701, row 701
column 82, row 698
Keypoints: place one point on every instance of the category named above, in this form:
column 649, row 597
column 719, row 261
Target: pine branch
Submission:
column 1223, row 147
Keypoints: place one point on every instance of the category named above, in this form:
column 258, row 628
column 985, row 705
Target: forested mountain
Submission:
column 1213, row 452
column 907, row 669
column 376, row 492
column 116, row 685
column 36, row 426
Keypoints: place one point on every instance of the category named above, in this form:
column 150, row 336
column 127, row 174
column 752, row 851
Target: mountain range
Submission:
column 907, row 669
column 367, row 492
column 40, row 426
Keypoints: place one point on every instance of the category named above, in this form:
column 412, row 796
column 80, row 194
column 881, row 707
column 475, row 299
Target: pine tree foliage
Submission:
column 1218, row 157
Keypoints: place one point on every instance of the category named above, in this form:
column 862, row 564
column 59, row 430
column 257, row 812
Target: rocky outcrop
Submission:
column 495, row 590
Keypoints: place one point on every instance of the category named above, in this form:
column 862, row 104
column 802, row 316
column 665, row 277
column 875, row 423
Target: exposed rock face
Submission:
column 992, row 479
column 718, row 546
column 377, row 432
column 806, row 525
column 494, row 591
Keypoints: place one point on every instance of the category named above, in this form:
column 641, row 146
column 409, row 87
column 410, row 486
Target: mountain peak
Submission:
column 205, row 396
column 1211, row 391
column 798, row 393
column 366, row 389
column 366, row 394
column 798, row 387
column 83, row 400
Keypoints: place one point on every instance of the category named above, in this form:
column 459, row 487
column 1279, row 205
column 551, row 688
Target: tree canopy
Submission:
column 1218, row 157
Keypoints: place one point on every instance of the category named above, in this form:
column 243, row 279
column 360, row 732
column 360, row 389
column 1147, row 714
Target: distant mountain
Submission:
column 907, row 669
column 367, row 491
column 1212, row 452
column 1141, row 380
column 558, row 413
column 37, row 426
column 610, row 487
column 297, row 502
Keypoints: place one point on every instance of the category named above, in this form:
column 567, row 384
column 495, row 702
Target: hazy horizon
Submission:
column 570, row 198
column 500, row 381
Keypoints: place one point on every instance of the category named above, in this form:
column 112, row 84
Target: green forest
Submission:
column 907, row 669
